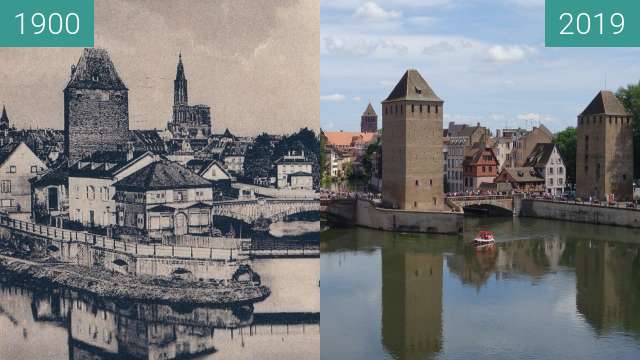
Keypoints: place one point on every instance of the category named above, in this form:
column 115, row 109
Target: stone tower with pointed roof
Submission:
column 4, row 119
column 189, row 121
column 604, row 163
column 96, row 107
column 369, row 120
column 412, row 160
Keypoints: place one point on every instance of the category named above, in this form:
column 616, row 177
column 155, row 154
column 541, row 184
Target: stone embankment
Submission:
column 126, row 287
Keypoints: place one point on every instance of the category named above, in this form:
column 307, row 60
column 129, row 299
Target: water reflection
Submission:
column 411, row 303
column 62, row 324
column 561, row 279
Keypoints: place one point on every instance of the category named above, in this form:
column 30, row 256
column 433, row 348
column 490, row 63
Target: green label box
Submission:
column 592, row 23
column 46, row 23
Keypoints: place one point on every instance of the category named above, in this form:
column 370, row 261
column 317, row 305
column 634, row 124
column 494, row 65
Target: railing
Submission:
column 281, row 249
column 103, row 242
column 480, row 198
column 603, row 204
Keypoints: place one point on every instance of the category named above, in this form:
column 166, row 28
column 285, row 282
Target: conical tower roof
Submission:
column 180, row 72
column 369, row 111
column 4, row 117
column 95, row 70
column 605, row 103
column 413, row 87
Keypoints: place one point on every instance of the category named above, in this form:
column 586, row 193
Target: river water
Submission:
column 551, row 290
column 57, row 323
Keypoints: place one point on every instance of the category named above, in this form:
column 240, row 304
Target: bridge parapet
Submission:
column 506, row 202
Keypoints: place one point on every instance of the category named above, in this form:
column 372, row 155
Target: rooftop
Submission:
column 162, row 175
column 540, row 155
column 412, row 86
column 605, row 103
column 95, row 70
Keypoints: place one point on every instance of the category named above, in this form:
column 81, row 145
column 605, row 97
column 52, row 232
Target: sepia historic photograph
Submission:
column 160, row 190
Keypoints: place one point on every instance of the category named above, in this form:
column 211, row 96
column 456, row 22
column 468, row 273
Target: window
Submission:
column 6, row 186
column 12, row 169
column 6, row 203
column 551, row 182
column 551, row 170
column 140, row 220
column 417, row 182
column 180, row 195
column 560, row 181
column 91, row 192
column 413, row 109
column 560, row 170
column 34, row 169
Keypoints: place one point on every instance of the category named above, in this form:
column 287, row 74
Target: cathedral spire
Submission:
column 180, row 95
column 4, row 119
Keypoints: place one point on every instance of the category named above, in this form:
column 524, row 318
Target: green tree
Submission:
column 323, row 155
column 567, row 143
column 307, row 140
column 368, row 159
column 630, row 98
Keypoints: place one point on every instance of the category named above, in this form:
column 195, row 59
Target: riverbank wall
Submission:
column 89, row 250
column 366, row 214
column 582, row 213
column 127, row 287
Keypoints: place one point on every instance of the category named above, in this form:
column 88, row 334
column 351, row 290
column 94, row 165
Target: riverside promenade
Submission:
column 221, row 259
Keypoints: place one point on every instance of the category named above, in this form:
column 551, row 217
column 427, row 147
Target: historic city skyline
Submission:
column 487, row 58
column 237, row 70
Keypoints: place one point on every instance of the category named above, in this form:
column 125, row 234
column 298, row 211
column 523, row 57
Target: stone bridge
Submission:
column 509, row 203
column 272, row 209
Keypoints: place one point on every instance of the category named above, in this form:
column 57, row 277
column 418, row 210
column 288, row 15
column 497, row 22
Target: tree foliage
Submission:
column 258, row 159
column 307, row 140
column 567, row 145
column 630, row 98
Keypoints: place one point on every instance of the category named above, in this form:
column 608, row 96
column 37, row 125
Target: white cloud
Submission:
column 332, row 97
column 340, row 46
column 371, row 11
column 438, row 48
column 362, row 46
column 508, row 54
column 534, row 117
column 357, row 98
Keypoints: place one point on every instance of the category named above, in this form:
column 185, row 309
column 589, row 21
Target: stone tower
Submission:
column 412, row 159
column 96, row 107
column 369, row 120
column 180, row 95
column 189, row 121
column 604, row 163
column 4, row 120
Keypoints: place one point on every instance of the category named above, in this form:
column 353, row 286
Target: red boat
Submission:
column 484, row 238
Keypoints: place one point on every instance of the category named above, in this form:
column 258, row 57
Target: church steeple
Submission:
column 4, row 119
column 180, row 95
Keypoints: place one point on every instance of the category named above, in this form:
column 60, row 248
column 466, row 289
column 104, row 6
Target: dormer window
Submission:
column 95, row 78
column 418, row 91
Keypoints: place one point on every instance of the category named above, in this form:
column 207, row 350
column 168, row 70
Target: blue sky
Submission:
column 485, row 58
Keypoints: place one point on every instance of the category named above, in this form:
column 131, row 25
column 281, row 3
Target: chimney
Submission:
column 129, row 152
